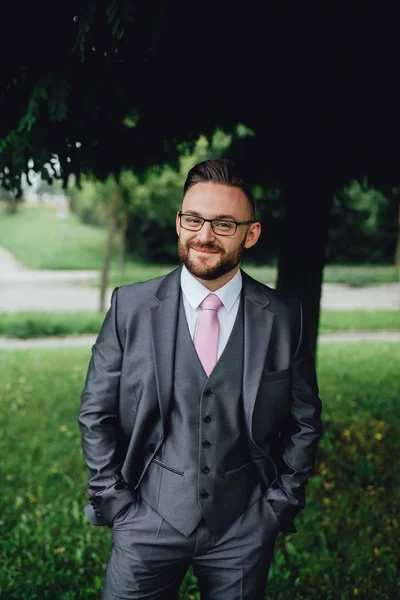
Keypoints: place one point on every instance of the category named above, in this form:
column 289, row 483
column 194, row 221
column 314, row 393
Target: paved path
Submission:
column 24, row 289
column 86, row 341
column 14, row 272
column 8, row 263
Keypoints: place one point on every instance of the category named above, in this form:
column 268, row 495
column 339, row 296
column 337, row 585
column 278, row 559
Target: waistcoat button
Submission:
column 204, row 494
column 207, row 419
column 207, row 393
column 206, row 444
column 205, row 469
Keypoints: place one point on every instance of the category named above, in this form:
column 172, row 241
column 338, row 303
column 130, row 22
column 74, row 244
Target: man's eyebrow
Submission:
column 229, row 217
column 216, row 218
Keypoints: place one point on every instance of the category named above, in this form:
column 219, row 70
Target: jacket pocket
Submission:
column 232, row 471
column 269, row 376
column 164, row 466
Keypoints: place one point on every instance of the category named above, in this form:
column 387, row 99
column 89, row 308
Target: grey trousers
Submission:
column 149, row 558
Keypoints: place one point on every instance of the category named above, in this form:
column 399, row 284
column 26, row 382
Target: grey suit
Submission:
column 125, row 420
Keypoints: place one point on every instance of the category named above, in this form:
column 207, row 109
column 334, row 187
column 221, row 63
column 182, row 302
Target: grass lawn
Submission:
column 41, row 240
column 347, row 543
column 44, row 324
column 359, row 320
column 33, row 324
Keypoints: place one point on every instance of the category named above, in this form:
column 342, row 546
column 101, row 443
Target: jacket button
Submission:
column 205, row 469
column 207, row 419
column 206, row 444
column 207, row 393
column 152, row 447
column 204, row 494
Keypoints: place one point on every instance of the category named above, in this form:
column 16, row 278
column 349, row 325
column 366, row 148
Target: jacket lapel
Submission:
column 257, row 332
column 163, row 321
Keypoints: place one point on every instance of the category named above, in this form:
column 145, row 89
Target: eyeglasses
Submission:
column 220, row 227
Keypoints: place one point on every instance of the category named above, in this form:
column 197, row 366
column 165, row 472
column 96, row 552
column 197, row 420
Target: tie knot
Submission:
column 211, row 302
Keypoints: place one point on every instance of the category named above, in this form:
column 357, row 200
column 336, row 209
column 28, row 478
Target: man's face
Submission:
column 206, row 255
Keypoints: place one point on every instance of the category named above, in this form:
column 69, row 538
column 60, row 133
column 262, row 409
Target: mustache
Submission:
column 207, row 246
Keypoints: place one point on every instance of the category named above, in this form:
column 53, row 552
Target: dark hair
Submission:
column 221, row 171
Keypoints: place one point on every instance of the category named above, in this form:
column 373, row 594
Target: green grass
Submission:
column 361, row 275
column 352, row 275
column 39, row 239
column 26, row 325
column 135, row 271
column 348, row 537
column 359, row 320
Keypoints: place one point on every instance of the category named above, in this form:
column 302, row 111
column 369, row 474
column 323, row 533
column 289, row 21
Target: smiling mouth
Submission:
column 205, row 251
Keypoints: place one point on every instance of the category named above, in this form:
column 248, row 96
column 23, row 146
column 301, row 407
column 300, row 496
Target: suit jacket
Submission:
column 129, row 387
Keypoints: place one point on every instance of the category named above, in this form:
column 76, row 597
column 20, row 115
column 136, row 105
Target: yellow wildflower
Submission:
column 376, row 551
column 356, row 591
column 346, row 433
column 59, row 550
column 378, row 436
column 32, row 498
column 63, row 428
column 38, row 512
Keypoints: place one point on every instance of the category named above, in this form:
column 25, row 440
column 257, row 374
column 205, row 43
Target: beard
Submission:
column 227, row 260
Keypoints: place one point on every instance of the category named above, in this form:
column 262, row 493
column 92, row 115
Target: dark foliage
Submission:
column 316, row 84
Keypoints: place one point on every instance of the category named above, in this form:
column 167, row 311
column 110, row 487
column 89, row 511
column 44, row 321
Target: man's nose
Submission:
column 206, row 233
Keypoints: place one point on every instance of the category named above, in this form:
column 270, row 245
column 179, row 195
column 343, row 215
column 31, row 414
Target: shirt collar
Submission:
column 195, row 292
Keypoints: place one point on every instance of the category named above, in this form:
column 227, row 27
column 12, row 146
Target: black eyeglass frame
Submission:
column 211, row 221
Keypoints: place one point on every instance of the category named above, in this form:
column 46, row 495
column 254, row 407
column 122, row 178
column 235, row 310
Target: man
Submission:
column 200, row 415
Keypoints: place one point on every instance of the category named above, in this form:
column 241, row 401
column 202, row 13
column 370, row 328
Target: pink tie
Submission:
column 207, row 332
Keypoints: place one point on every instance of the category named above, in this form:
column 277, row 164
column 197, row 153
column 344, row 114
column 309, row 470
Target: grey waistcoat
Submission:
column 202, row 468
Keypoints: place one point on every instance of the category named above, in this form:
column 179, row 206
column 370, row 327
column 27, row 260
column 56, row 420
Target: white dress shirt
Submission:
column 194, row 293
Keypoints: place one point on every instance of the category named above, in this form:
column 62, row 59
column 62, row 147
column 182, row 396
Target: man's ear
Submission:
column 252, row 235
column 178, row 224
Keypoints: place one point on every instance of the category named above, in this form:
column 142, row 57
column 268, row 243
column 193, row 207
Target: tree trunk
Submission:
column 122, row 247
column 305, row 235
column 302, row 253
column 312, row 173
column 12, row 204
column 112, row 227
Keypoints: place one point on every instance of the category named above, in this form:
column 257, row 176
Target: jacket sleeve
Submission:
column 99, row 425
column 299, row 436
